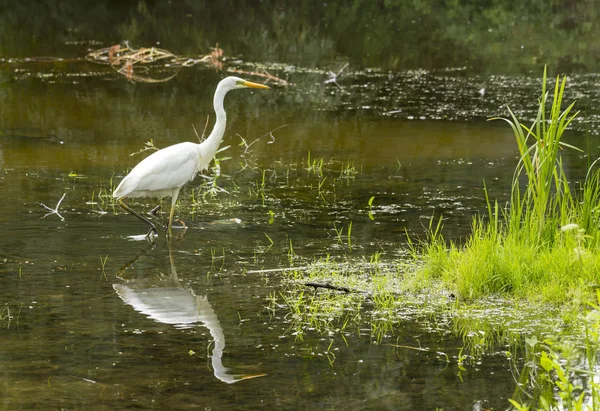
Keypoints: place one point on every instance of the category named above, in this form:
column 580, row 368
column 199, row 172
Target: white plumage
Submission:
column 164, row 172
column 157, row 176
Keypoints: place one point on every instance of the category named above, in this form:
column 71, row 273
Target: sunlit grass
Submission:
column 543, row 246
column 497, row 262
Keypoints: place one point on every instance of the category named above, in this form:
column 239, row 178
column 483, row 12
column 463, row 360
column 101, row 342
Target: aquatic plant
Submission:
column 314, row 165
column 370, row 211
column 210, row 187
column 342, row 288
column 103, row 261
column 543, row 245
column 348, row 170
column 559, row 373
column 7, row 316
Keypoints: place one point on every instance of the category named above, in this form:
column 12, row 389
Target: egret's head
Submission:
column 236, row 82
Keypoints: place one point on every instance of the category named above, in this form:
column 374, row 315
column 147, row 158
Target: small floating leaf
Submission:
column 370, row 213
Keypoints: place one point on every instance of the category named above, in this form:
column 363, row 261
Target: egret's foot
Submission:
column 152, row 234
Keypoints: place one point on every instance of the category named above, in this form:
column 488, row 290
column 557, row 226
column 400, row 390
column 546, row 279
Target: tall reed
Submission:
column 544, row 204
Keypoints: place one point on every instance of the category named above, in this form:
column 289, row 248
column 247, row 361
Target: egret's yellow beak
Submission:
column 254, row 85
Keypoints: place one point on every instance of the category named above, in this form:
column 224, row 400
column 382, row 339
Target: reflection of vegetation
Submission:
column 392, row 33
column 137, row 64
column 558, row 373
column 127, row 61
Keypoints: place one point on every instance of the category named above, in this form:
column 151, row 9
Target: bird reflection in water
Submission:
column 182, row 308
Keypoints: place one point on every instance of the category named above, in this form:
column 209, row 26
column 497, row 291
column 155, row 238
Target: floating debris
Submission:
column 135, row 64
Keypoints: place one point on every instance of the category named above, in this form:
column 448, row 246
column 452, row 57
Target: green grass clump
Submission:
column 544, row 245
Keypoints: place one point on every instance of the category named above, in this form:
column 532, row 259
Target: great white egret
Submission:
column 164, row 172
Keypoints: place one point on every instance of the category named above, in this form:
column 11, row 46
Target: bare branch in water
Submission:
column 55, row 209
column 333, row 287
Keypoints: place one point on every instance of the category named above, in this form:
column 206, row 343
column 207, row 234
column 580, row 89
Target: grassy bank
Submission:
column 541, row 246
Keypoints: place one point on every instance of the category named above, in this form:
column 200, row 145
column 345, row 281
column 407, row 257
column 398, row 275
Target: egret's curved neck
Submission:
column 215, row 137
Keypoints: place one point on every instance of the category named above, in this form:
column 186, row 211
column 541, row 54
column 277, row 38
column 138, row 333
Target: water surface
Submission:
column 91, row 318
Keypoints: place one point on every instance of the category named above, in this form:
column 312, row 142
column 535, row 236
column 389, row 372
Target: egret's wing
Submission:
column 162, row 171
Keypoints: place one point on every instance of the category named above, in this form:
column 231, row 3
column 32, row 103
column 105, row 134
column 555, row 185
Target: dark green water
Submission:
column 92, row 319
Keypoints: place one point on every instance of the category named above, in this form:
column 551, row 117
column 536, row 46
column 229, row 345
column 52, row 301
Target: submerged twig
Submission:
column 154, row 211
column 335, row 288
column 54, row 210
column 408, row 347
column 329, row 287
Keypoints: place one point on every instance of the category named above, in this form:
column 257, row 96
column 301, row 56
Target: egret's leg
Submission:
column 173, row 201
column 138, row 215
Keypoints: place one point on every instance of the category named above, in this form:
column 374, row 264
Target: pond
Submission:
column 93, row 316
